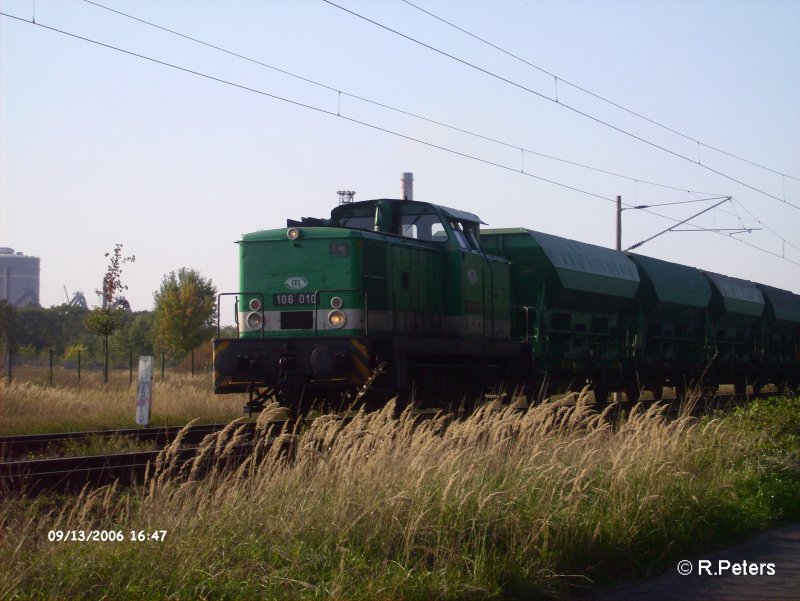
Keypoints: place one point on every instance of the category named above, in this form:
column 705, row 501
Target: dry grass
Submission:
column 28, row 407
column 505, row 502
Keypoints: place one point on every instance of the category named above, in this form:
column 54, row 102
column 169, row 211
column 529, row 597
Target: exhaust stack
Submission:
column 408, row 186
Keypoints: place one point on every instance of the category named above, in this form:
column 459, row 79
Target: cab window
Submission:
column 466, row 239
column 423, row 226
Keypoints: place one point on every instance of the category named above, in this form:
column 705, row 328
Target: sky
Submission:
column 100, row 147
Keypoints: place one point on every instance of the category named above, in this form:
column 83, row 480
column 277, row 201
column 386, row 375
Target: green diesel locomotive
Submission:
column 398, row 282
column 416, row 298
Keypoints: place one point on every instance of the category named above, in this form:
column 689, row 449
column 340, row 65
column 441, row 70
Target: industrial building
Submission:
column 19, row 278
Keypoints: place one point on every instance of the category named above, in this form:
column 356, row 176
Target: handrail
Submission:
column 527, row 309
column 260, row 295
column 527, row 319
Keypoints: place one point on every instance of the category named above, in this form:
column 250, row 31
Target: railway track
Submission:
column 27, row 445
column 70, row 474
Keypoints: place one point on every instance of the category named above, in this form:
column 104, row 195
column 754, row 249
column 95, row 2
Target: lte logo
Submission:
column 296, row 282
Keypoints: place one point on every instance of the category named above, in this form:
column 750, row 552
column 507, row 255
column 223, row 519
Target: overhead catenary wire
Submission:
column 638, row 244
column 306, row 106
column 560, row 103
column 352, row 120
column 733, row 230
column 341, row 93
column 680, row 202
column 737, row 216
column 757, row 220
column 720, row 233
column 558, row 78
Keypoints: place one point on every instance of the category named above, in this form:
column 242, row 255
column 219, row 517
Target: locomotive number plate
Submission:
column 293, row 299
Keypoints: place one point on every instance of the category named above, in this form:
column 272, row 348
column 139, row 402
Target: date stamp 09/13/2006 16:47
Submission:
column 112, row 536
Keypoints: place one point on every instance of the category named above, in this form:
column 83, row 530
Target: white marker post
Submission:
column 144, row 391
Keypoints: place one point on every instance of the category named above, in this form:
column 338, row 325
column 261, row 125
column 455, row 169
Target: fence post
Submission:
column 51, row 366
column 105, row 359
column 130, row 367
column 10, row 363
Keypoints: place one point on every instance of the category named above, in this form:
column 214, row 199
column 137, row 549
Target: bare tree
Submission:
column 107, row 319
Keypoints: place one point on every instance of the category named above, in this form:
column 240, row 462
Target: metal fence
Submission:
column 47, row 368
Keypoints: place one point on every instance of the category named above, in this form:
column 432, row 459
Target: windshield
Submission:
column 410, row 220
column 358, row 223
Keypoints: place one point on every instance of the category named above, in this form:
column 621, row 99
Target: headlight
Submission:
column 255, row 304
column 254, row 320
column 337, row 319
column 336, row 302
column 293, row 233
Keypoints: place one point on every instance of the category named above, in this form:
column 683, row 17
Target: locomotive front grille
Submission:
column 297, row 320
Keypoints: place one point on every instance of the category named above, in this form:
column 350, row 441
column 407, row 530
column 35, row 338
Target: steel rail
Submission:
column 72, row 474
column 31, row 444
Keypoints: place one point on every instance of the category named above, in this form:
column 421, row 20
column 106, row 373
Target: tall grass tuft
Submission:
column 505, row 502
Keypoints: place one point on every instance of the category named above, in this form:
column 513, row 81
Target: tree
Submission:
column 136, row 337
column 107, row 319
column 185, row 311
column 54, row 328
column 71, row 330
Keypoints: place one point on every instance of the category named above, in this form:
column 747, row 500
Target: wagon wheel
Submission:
column 710, row 390
column 657, row 388
column 600, row 395
column 680, row 391
column 632, row 393
column 785, row 386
